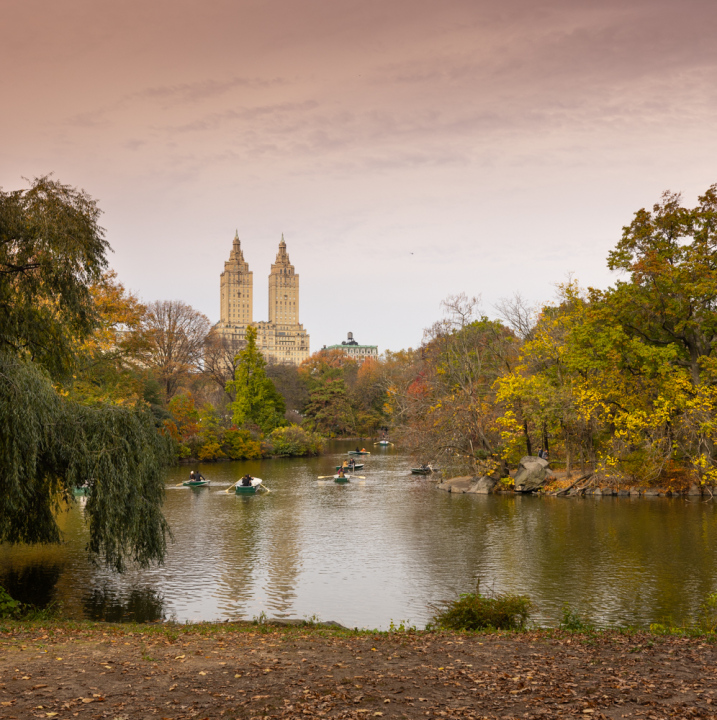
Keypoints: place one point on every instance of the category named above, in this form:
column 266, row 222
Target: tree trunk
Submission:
column 528, row 446
column 567, row 459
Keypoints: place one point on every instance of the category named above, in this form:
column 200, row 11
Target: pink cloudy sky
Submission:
column 406, row 149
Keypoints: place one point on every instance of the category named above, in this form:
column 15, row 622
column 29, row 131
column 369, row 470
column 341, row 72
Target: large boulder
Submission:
column 468, row 484
column 457, row 484
column 531, row 474
column 483, row 485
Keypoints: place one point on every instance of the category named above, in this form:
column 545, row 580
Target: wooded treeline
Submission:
column 622, row 381
column 619, row 381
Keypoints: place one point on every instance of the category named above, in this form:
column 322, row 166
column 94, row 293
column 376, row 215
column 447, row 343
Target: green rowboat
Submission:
column 195, row 483
column 359, row 452
column 248, row 489
column 357, row 466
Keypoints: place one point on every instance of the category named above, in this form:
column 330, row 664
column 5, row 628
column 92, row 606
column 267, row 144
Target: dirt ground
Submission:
column 128, row 673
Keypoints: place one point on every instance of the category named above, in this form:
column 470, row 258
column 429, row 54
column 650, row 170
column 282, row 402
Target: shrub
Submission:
column 473, row 611
column 707, row 615
column 294, row 440
column 239, row 445
column 574, row 622
column 9, row 608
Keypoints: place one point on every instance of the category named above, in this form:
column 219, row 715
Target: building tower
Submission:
column 281, row 339
column 236, row 285
column 283, row 290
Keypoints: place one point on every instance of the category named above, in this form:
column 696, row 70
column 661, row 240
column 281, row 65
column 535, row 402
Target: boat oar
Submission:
column 324, row 477
column 231, row 487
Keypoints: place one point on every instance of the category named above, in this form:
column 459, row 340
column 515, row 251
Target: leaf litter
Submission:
column 192, row 673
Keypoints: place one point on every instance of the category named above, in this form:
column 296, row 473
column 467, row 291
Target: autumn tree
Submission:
column 451, row 414
column 328, row 409
column 108, row 361
column 219, row 356
column 175, row 333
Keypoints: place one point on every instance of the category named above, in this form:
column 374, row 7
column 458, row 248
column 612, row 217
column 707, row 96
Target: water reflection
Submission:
column 140, row 605
column 33, row 583
column 386, row 548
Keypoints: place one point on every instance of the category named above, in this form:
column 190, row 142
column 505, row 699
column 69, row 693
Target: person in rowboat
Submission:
column 192, row 477
column 342, row 473
column 246, row 480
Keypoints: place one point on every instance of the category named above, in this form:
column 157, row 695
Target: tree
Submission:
column 220, row 352
column 51, row 252
column 257, row 401
column 329, row 409
column 450, row 408
column 108, row 364
column 175, row 334
column 288, row 381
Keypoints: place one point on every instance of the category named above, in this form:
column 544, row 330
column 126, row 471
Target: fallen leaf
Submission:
column 88, row 700
column 201, row 672
column 179, row 657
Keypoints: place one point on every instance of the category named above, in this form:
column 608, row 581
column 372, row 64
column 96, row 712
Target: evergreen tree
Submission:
column 257, row 401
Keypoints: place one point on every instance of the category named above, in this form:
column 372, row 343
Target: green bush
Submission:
column 473, row 611
column 294, row 441
column 574, row 622
column 707, row 615
column 9, row 608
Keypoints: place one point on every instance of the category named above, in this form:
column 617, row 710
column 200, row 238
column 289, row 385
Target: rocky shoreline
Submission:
column 534, row 476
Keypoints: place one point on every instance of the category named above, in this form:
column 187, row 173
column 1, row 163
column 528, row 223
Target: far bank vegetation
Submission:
column 620, row 383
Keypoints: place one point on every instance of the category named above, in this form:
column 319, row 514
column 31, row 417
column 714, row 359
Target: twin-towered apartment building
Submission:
column 282, row 338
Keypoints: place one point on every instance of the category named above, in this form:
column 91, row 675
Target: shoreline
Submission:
column 587, row 485
column 184, row 672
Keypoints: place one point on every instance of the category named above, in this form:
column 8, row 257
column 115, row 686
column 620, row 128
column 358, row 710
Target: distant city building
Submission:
column 282, row 338
column 354, row 350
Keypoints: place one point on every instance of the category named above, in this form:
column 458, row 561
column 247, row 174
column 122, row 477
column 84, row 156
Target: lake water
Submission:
column 384, row 548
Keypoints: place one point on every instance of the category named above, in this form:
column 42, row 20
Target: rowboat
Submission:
column 359, row 452
column 421, row 471
column 195, row 483
column 382, row 442
column 357, row 466
column 342, row 478
column 248, row 489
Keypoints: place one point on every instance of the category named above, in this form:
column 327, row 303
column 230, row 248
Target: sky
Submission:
column 406, row 149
